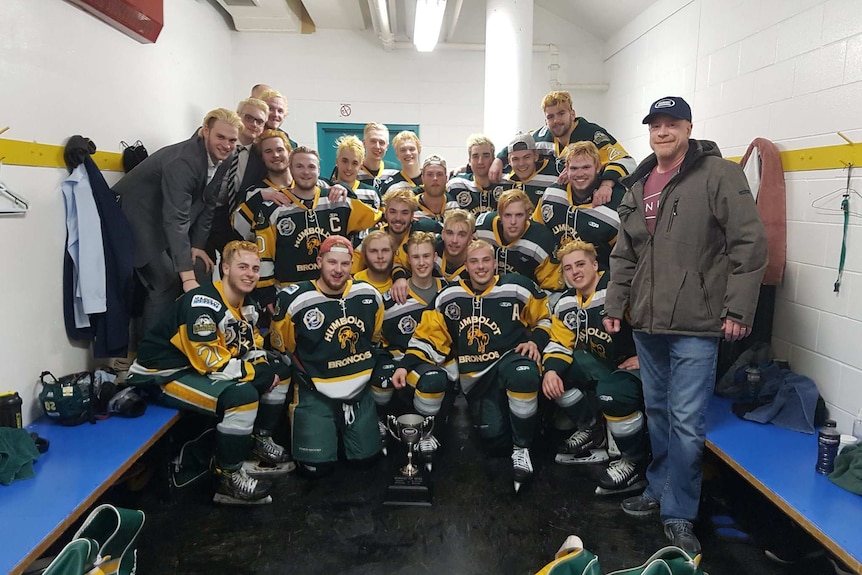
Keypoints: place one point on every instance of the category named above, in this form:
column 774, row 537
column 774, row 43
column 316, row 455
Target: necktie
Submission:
column 232, row 183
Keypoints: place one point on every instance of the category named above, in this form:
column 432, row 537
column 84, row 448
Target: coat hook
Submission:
column 845, row 138
column 3, row 129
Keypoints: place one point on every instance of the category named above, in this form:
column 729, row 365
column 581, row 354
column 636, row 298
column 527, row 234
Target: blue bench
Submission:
column 81, row 463
column 780, row 464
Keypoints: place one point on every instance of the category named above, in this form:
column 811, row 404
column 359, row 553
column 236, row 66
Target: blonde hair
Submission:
column 513, row 196
column 479, row 140
column 377, row 234
column 459, row 216
column 583, row 148
column 259, row 104
column 220, row 115
column 405, row 195
column 302, row 150
column 557, row 98
column 351, row 143
column 480, row 245
column 270, row 94
column 419, row 238
column 375, row 126
column 578, row 246
column 406, row 135
column 267, row 134
column 233, row 247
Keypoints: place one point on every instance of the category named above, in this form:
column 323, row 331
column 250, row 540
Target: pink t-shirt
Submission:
column 655, row 183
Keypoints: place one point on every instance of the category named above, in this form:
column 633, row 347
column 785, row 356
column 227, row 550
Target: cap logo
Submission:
column 664, row 104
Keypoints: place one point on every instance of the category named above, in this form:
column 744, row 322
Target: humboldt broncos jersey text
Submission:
column 479, row 328
column 468, row 195
column 205, row 333
column 290, row 237
column 400, row 320
column 615, row 159
column 569, row 221
column 332, row 338
column 577, row 324
column 531, row 255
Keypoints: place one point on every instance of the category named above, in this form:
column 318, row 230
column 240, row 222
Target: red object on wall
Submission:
column 139, row 19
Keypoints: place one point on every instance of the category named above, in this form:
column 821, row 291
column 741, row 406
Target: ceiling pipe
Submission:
column 380, row 21
column 453, row 21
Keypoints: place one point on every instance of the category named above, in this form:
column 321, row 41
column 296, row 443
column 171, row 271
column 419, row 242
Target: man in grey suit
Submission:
column 169, row 199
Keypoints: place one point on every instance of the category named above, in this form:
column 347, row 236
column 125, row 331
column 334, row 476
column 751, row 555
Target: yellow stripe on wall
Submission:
column 21, row 153
column 823, row 158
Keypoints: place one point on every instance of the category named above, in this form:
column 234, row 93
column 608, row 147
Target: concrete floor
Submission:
column 477, row 524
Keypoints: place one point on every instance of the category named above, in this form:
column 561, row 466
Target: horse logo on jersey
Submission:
column 406, row 325
column 479, row 337
column 313, row 244
column 452, row 311
column 547, row 212
column 348, row 336
column 313, row 319
column 286, row 226
column 464, row 198
column 600, row 138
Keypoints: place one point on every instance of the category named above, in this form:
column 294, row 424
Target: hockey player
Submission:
column 207, row 356
column 377, row 250
column 331, row 325
column 375, row 138
column 290, row 237
column 608, row 362
column 425, row 386
column 562, row 127
column 407, row 149
column 473, row 191
column 349, row 157
column 458, row 229
column 530, row 171
column 494, row 326
column 433, row 200
column 568, row 209
column 521, row 246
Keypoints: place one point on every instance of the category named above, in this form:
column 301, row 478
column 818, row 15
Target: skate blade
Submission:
column 595, row 456
column 223, row 499
column 260, row 470
column 517, row 486
column 637, row 486
column 429, row 466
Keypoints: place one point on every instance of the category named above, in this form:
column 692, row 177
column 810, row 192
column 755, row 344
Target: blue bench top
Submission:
column 780, row 463
column 81, row 463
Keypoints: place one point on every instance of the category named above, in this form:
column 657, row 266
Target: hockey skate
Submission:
column 238, row 488
column 522, row 466
column 427, row 447
column 621, row 476
column 584, row 446
column 384, row 437
column 271, row 460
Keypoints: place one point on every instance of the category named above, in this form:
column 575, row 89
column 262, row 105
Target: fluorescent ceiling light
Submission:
column 429, row 20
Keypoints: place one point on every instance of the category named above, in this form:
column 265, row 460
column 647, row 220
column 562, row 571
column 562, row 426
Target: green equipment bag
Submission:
column 666, row 561
column 70, row 399
column 192, row 463
column 104, row 545
column 572, row 559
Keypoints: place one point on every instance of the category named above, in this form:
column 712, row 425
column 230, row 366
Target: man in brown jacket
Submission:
column 686, row 271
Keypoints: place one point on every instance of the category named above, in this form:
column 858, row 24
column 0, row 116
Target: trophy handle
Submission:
column 390, row 420
column 428, row 426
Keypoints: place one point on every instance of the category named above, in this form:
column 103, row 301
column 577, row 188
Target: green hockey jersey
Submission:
column 466, row 194
column 332, row 338
column 400, row 320
column 535, row 186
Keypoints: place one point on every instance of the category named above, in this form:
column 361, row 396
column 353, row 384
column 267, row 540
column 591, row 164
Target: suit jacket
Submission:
column 169, row 203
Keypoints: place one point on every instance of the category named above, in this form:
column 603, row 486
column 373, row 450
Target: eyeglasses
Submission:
column 253, row 120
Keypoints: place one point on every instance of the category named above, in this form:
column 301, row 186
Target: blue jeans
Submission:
column 678, row 374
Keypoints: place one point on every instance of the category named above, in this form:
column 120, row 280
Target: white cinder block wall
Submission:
column 789, row 71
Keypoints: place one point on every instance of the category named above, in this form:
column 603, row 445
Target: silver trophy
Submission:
column 410, row 486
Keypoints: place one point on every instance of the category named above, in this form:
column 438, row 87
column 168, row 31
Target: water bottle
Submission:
column 10, row 409
column 828, row 440
column 752, row 380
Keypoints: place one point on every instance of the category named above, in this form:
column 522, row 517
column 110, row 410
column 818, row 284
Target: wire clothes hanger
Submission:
column 834, row 202
column 11, row 203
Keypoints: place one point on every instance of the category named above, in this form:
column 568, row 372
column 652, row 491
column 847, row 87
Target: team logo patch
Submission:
column 600, row 138
column 464, row 198
column 348, row 337
column 593, row 224
column 614, row 153
column 286, row 226
column 204, row 325
column 498, row 191
column 547, row 212
column 290, row 289
column 452, row 311
column 571, row 320
column 206, row 301
column 560, row 165
column 407, row 325
column 313, row 319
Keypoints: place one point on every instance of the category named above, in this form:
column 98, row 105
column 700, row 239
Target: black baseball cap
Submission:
column 671, row 106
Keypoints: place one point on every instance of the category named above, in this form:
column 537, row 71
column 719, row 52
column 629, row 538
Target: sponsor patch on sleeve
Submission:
column 206, row 301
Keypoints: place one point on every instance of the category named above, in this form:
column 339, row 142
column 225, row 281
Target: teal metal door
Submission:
column 328, row 132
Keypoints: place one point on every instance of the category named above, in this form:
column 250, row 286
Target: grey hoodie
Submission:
column 707, row 256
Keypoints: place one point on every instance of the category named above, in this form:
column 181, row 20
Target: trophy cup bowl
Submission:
column 409, row 486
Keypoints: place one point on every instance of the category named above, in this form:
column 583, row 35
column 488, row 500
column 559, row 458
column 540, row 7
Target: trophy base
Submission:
column 409, row 491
